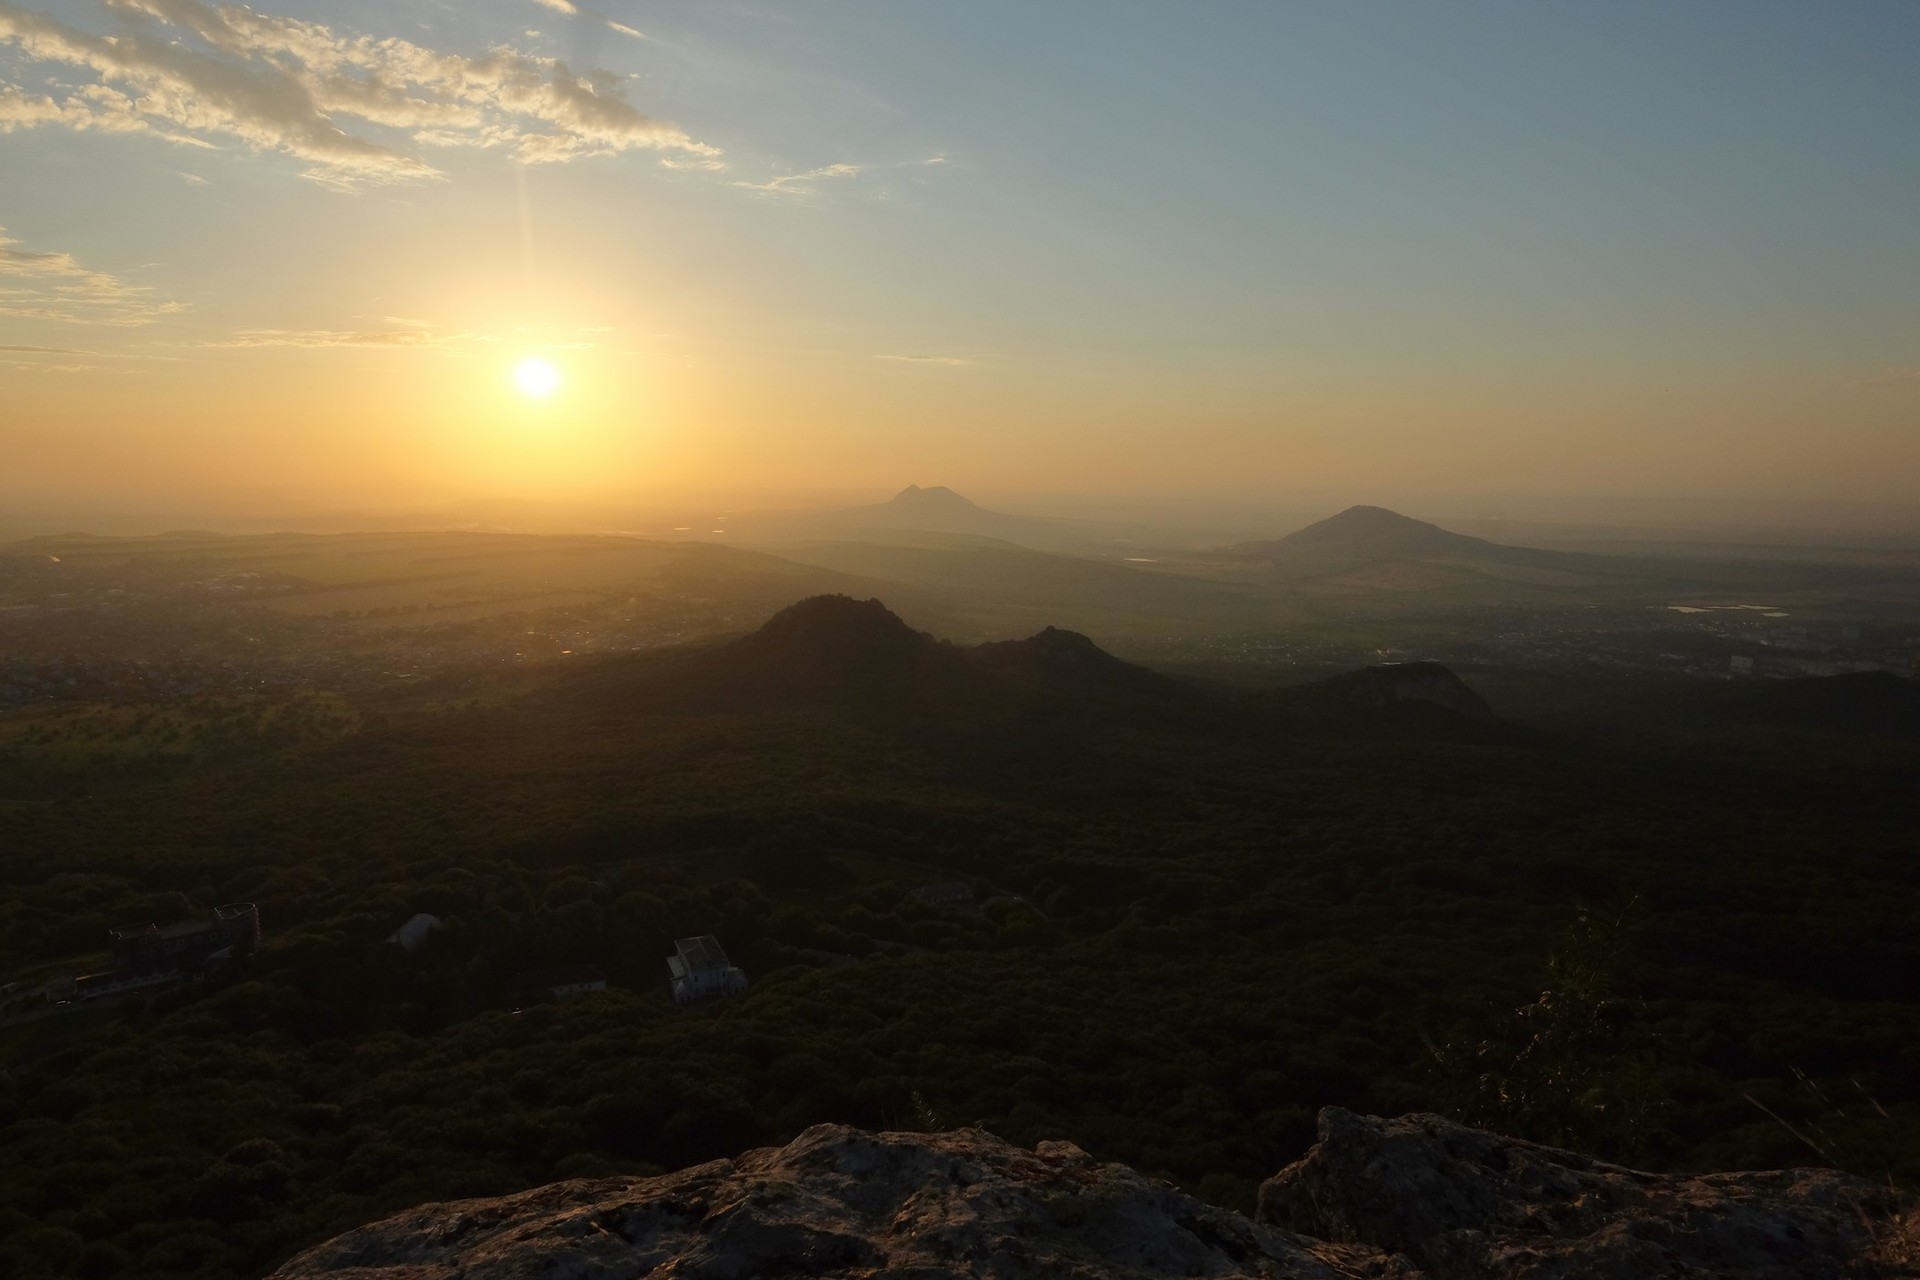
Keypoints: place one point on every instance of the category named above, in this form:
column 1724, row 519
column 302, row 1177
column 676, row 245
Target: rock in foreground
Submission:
column 1375, row 1199
column 839, row 1202
column 1460, row 1202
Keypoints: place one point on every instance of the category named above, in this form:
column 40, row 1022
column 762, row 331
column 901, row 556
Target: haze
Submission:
column 287, row 260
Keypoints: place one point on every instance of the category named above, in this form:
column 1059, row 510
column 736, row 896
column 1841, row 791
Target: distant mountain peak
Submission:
column 1376, row 531
column 1365, row 521
column 933, row 497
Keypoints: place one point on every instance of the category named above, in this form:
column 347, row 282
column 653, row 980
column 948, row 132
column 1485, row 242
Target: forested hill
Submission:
column 857, row 652
column 835, row 650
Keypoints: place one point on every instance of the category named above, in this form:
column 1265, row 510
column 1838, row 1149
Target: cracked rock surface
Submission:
column 1417, row 1198
column 840, row 1202
column 1467, row 1204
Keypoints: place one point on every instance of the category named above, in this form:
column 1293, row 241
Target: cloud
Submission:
column 573, row 10
column 54, row 286
column 808, row 183
column 192, row 72
column 405, row 335
column 951, row 361
column 802, row 184
column 400, row 333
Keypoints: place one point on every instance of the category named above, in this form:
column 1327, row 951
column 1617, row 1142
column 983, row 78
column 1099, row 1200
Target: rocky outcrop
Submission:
column 1403, row 1199
column 1460, row 1202
column 838, row 1202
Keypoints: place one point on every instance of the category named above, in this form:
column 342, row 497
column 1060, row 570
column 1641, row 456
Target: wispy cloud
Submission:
column 402, row 333
column 190, row 72
column 573, row 10
column 408, row 335
column 949, row 361
column 802, row 184
column 40, row 285
column 809, row 183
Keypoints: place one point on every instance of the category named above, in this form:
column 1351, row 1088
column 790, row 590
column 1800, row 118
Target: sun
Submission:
column 536, row 377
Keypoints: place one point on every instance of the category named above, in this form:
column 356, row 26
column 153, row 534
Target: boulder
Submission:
column 1464, row 1204
column 1417, row 1198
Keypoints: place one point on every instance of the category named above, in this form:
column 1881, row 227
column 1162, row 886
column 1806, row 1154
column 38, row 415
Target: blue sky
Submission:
column 1645, row 248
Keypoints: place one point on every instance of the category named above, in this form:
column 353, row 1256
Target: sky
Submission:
column 296, row 254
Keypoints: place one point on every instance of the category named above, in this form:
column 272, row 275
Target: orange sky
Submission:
column 1568, row 253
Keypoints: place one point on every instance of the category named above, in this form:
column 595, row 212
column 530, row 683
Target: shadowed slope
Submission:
column 1409, row 691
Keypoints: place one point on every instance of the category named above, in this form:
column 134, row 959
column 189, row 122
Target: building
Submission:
column 700, row 970
column 557, row 984
column 186, row 945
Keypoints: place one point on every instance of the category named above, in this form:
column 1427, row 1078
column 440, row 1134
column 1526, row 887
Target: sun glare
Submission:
column 536, row 377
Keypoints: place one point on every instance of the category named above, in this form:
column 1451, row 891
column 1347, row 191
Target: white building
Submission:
column 699, row 970
column 410, row 935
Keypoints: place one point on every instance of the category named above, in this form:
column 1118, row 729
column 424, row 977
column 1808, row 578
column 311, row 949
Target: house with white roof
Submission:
column 699, row 970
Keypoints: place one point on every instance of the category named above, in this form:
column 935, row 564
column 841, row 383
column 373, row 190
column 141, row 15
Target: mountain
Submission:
column 1371, row 549
column 1376, row 532
column 936, row 503
column 934, row 509
column 857, row 655
column 1417, row 1198
column 1066, row 664
column 938, row 509
column 837, row 650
